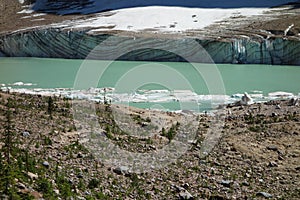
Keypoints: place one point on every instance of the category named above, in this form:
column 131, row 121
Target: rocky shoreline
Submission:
column 256, row 156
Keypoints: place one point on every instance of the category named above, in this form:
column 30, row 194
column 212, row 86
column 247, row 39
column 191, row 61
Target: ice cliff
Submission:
column 55, row 43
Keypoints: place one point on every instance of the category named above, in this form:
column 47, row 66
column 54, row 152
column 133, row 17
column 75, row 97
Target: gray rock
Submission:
column 21, row 186
column 186, row 185
column 32, row 175
column 179, row 188
column 246, row 99
column 245, row 183
column 264, row 194
column 278, row 107
column 46, row 164
column 226, row 183
column 123, row 170
column 185, row 195
column 272, row 164
column 236, row 185
column 80, row 175
column 272, row 148
column 80, row 155
column 56, row 191
column 293, row 102
column 26, row 134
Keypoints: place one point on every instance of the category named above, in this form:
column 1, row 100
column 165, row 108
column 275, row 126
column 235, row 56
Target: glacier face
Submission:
column 55, row 43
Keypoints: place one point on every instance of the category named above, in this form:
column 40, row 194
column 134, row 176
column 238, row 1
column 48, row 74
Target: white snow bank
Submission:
column 93, row 6
column 169, row 19
column 153, row 15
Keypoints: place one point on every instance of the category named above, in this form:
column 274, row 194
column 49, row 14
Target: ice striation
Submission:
column 57, row 43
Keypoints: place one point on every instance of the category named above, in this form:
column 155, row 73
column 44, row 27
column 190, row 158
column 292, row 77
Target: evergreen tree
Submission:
column 10, row 150
column 50, row 106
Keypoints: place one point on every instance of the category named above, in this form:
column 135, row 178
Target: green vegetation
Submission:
column 11, row 156
column 171, row 133
column 51, row 163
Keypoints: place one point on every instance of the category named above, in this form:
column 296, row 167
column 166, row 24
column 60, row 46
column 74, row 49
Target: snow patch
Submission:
column 25, row 11
column 166, row 19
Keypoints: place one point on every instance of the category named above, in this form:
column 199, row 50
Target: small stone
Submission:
column 274, row 114
column 123, row 170
column 297, row 168
column 280, row 157
column 293, row 102
column 264, row 194
column 185, row 195
column 245, row 183
column 272, row 148
column 272, row 164
column 281, row 153
column 226, row 183
column 26, row 134
column 186, row 185
column 21, row 186
column 56, row 191
column 79, row 155
column 80, row 175
column 236, row 185
column 179, row 188
column 32, row 175
column 202, row 162
column 46, row 164
column 278, row 107
column 152, row 147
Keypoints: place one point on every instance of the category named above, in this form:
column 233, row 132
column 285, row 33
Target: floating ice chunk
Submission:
column 281, row 94
column 18, row 83
column 256, row 96
column 257, row 91
column 238, row 95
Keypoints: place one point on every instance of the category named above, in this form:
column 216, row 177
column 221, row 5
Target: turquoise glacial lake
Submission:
column 140, row 78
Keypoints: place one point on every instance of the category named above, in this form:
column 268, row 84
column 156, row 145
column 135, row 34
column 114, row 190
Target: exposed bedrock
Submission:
column 54, row 43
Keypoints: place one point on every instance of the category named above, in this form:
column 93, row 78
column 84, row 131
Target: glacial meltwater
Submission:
column 156, row 85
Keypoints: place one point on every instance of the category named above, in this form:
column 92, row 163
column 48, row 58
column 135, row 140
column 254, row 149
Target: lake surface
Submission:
column 158, row 85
